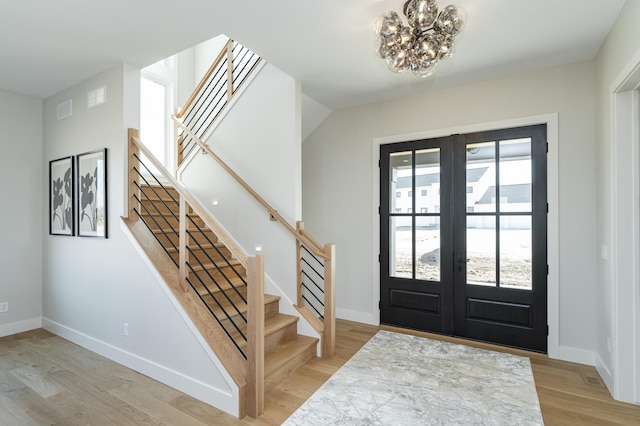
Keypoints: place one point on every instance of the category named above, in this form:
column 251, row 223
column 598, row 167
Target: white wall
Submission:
column 93, row 286
column 338, row 202
column 21, row 212
column 205, row 54
column 616, row 299
column 259, row 139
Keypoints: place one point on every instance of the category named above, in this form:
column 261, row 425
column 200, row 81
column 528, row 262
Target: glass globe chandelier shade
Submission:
column 427, row 39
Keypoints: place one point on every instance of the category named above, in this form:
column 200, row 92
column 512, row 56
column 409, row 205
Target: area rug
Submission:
column 397, row 379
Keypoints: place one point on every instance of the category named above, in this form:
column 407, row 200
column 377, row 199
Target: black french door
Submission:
column 463, row 226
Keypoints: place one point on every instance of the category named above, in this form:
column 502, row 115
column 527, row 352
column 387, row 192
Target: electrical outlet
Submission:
column 125, row 329
column 4, row 307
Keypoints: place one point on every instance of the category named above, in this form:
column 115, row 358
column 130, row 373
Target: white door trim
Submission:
column 625, row 231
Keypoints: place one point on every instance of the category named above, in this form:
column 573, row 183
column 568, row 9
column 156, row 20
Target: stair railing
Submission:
column 229, row 71
column 315, row 298
column 176, row 233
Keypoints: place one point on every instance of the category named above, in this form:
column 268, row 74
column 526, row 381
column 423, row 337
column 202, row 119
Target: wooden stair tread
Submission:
column 215, row 266
column 160, row 231
column 286, row 357
column 156, row 213
column 282, row 353
column 223, row 285
column 276, row 322
column 202, row 247
column 272, row 324
column 242, row 307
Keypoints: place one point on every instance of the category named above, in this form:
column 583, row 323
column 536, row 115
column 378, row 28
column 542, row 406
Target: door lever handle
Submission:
column 461, row 260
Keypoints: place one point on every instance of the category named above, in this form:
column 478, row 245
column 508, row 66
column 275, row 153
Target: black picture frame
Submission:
column 91, row 191
column 61, row 196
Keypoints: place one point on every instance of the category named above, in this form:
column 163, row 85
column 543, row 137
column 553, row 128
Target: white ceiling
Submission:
column 48, row 46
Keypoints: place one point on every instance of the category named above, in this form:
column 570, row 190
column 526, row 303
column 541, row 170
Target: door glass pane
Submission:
column 515, row 175
column 427, row 191
column 400, row 186
column 481, row 177
column 515, row 252
column 428, row 248
column 481, row 250
column 400, row 247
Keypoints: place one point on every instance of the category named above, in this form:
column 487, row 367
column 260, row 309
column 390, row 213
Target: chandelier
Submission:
column 426, row 40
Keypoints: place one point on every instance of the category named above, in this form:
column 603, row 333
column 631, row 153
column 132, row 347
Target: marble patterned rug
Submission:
column 397, row 379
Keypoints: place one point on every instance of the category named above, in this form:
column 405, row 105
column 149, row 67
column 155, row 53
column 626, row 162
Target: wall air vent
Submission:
column 64, row 109
column 97, row 96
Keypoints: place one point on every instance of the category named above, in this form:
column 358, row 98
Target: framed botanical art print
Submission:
column 91, row 181
column 61, row 196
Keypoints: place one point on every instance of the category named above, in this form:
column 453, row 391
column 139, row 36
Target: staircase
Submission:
column 217, row 284
column 220, row 281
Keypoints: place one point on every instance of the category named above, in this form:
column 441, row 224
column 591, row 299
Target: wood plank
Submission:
column 12, row 414
column 41, row 410
column 89, row 404
column 153, row 407
column 36, row 379
column 568, row 393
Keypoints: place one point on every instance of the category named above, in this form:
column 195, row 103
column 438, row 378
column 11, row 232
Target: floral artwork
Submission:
column 61, row 196
column 92, row 198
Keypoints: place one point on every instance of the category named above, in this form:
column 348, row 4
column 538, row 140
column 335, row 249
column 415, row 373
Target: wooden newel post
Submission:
column 132, row 163
column 255, row 336
column 329, row 337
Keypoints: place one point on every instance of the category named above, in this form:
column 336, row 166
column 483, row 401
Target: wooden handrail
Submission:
column 193, row 203
column 312, row 245
column 204, row 80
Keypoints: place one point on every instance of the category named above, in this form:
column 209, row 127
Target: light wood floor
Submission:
column 45, row 379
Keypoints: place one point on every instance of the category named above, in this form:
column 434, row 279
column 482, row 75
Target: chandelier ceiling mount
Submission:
column 419, row 46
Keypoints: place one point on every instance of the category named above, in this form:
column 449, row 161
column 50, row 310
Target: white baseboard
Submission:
column 357, row 316
column 20, row 326
column 221, row 399
column 605, row 373
column 580, row 356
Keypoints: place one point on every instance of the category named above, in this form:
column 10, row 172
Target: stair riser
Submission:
column 222, row 277
column 235, row 317
column 211, row 254
column 206, row 257
column 153, row 207
column 273, row 378
column 224, row 297
column 172, row 238
column 160, row 190
column 167, row 219
column 281, row 335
